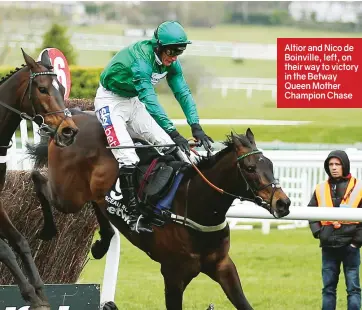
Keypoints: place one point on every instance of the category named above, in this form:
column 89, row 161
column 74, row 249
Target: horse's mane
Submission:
column 6, row 77
column 9, row 75
column 207, row 162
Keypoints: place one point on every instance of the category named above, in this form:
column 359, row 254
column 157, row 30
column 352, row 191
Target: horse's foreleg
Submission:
column 8, row 258
column 175, row 284
column 100, row 247
column 21, row 246
column 224, row 272
column 2, row 174
column 43, row 193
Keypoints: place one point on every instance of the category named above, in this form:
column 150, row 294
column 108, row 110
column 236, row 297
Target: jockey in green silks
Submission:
column 127, row 106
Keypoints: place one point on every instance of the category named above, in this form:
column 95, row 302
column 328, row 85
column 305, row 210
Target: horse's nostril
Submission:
column 283, row 203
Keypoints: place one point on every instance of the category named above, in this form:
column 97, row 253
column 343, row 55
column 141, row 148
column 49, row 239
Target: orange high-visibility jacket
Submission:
column 351, row 198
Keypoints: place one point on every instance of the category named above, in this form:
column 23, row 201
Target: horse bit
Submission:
column 37, row 118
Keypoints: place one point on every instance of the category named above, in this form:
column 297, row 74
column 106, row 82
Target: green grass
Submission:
column 278, row 271
column 328, row 125
column 226, row 67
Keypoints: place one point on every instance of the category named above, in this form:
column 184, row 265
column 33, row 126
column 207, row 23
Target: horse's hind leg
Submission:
column 100, row 247
column 42, row 190
column 224, row 272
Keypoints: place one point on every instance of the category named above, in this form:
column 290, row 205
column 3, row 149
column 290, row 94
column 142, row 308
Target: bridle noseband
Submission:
column 257, row 199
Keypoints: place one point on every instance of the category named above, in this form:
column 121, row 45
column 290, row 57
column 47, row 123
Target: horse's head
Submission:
column 257, row 172
column 46, row 100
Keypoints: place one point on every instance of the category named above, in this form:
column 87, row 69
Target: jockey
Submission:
column 126, row 105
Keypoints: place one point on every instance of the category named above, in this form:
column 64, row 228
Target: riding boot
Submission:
column 135, row 219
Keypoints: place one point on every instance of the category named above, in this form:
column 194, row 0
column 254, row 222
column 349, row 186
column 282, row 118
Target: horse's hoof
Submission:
column 47, row 234
column 109, row 305
column 98, row 249
column 211, row 307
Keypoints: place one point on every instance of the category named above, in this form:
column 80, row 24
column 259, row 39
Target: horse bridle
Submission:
column 37, row 118
column 257, row 199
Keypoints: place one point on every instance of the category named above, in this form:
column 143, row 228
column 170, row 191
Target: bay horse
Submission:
column 31, row 92
column 86, row 170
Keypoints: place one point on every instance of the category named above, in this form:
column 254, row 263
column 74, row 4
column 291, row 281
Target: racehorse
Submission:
column 86, row 170
column 31, row 92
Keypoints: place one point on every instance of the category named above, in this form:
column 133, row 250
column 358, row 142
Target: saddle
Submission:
column 156, row 181
column 153, row 181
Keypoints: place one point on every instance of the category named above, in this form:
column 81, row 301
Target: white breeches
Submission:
column 126, row 118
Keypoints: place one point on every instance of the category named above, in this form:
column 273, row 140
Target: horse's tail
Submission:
column 39, row 153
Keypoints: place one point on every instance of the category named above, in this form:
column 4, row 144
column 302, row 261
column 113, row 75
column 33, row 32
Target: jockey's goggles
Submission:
column 174, row 51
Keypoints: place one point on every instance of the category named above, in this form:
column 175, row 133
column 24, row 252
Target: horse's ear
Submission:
column 45, row 59
column 250, row 136
column 28, row 60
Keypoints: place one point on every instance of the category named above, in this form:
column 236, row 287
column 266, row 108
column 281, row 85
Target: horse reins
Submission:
column 257, row 199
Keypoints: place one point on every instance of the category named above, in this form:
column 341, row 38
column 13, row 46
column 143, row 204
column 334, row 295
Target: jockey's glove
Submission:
column 201, row 136
column 180, row 141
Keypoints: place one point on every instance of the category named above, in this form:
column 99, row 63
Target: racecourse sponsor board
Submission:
column 60, row 297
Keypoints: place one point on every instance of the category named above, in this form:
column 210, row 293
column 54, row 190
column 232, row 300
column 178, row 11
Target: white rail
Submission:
column 299, row 213
column 110, row 275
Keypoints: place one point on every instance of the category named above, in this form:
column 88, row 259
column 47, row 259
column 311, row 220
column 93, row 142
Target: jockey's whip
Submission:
column 144, row 146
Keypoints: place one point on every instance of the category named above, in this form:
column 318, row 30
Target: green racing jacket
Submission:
column 134, row 71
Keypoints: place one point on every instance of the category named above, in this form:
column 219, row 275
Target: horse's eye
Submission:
column 250, row 169
column 43, row 90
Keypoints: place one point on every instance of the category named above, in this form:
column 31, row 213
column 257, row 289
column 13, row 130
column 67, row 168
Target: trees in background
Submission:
column 57, row 37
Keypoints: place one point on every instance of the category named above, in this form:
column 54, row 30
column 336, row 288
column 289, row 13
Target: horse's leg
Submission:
column 176, row 281
column 2, row 174
column 224, row 272
column 21, row 246
column 26, row 289
column 100, row 247
column 43, row 193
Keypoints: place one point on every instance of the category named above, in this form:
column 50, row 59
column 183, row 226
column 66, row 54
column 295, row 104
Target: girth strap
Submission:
column 185, row 221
